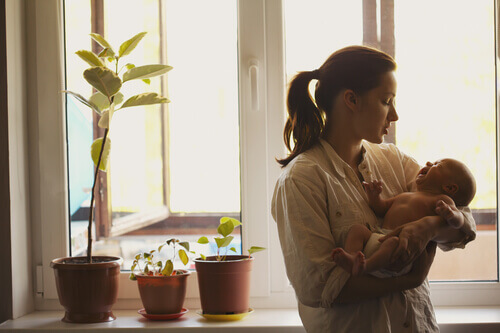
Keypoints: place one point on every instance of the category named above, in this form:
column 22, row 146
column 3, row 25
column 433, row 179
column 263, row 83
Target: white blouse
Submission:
column 316, row 199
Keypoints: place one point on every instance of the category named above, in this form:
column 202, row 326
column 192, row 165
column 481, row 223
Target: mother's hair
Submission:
column 358, row 68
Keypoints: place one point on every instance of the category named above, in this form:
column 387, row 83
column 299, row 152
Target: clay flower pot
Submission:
column 224, row 285
column 87, row 291
column 163, row 294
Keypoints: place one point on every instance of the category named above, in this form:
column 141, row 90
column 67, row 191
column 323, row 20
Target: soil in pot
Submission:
column 224, row 285
column 87, row 291
column 163, row 294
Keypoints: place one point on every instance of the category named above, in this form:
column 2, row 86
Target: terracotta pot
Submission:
column 224, row 285
column 163, row 294
column 87, row 291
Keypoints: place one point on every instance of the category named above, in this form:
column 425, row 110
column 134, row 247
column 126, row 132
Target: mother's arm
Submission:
column 414, row 236
column 366, row 286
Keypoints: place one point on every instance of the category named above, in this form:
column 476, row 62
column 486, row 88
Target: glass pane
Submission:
column 446, row 104
column 174, row 170
column 446, row 95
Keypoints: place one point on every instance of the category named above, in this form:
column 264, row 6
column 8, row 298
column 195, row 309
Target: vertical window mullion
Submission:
column 102, row 213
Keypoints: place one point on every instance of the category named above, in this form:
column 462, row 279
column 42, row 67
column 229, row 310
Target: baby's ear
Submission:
column 450, row 189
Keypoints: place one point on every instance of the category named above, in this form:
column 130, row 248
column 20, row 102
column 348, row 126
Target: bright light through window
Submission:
column 174, row 169
column 446, row 92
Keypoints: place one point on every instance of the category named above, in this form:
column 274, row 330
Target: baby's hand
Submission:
column 373, row 189
column 450, row 214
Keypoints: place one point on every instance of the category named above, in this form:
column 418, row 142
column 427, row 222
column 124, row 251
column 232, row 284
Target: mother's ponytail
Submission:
column 358, row 68
column 305, row 122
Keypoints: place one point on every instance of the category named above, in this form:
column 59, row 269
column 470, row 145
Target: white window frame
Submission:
column 262, row 88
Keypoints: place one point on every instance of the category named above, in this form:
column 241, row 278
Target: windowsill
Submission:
column 456, row 320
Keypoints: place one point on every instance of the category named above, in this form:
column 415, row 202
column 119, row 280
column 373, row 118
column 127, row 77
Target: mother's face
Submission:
column 376, row 110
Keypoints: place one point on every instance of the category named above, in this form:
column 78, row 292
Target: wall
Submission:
column 20, row 231
column 5, row 250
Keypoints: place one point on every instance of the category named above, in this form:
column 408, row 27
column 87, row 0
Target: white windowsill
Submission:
column 456, row 320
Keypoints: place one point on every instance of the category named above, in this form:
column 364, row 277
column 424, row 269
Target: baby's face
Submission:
column 435, row 174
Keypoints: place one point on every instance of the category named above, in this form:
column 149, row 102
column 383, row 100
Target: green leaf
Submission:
column 104, row 43
column 90, row 58
column 233, row 249
column 145, row 72
column 103, row 79
column 86, row 102
column 161, row 247
column 95, row 150
column 129, row 45
column 102, row 102
column 104, row 120
column 105, row 53
column 106, row 117
column 203, row 257
column 254, row 249
column 133, row 267
column 129, row 66
column 185, row 245
column 225, row 228
column 146, row 269
column 138, row 256
column 144, row 99
column 147, row 255
column 168, row 269
column 203, row 240
column 183, row 256
column 146, row 81
column 132, row 277
column 226, row 219
column 223, row 242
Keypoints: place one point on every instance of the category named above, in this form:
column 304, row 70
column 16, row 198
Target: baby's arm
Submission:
column 373, row 190
column 445, row 207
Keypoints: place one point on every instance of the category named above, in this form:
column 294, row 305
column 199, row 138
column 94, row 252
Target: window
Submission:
column 263, row 30
column 174, row 168
column 446, row 92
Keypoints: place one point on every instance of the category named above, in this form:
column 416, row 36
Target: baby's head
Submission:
column 449, row 176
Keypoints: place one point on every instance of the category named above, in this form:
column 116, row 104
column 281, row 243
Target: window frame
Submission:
column 261, row 43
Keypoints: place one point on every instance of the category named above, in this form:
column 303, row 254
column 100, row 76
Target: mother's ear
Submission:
column 350, row 99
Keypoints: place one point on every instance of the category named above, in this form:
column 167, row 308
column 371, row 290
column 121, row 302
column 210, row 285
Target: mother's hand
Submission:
column 422, row 265
column 413, row 238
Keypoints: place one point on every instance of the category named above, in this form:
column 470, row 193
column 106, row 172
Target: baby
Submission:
column 444, row 181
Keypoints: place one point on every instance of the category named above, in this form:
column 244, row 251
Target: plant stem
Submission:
column 91, row 213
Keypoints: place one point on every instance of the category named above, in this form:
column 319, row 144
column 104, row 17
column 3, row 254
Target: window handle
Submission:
column 253, row 73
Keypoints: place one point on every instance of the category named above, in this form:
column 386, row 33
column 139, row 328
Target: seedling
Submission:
column 225, row 228
column 146, row 263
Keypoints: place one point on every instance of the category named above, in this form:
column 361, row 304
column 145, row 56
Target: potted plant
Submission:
column 224, row 280
column 162, row 288
column 88, row 286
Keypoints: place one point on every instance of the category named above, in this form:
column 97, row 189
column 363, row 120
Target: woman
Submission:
column 319, row 196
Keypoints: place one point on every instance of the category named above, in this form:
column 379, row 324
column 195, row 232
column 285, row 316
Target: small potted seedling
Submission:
column 224, row 279
column 162, row 288
column 88, row 286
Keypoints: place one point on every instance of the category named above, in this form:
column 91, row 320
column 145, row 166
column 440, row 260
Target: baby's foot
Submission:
column 358, row 267
column 343, row 259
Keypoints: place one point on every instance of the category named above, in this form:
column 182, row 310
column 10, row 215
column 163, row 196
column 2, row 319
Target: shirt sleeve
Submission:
column 469, row 230
column 300, row 209
column 411, row 168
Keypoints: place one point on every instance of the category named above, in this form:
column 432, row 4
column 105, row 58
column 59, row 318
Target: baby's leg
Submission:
column 352, row 259
column 382, row 257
